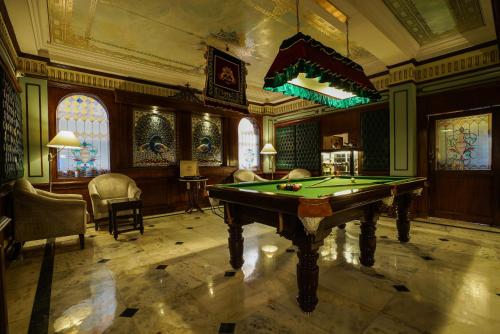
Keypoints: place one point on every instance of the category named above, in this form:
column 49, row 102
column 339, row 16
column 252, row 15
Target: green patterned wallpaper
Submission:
column 298, row 146
column 285, row 145
column 375, row 140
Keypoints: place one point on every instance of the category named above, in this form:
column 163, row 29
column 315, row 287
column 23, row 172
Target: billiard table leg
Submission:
column 236, row 245
column 402, row 221
column 307, row 272
column 235, row 239
column 367, row 238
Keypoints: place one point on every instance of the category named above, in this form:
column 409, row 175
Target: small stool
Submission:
column 194, row 187
column 125, row 204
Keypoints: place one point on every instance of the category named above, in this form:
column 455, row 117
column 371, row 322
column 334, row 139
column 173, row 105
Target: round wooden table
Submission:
column 193, row 188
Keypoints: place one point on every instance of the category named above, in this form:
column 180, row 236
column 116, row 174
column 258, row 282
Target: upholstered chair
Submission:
column 110, row 186
column 245, row 175
column 40, row 214
column 297, row 173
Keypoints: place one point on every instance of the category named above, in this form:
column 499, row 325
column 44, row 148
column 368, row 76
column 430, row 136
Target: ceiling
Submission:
column 165, row 41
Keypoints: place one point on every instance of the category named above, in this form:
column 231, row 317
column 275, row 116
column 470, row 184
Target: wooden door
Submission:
column 463, row 158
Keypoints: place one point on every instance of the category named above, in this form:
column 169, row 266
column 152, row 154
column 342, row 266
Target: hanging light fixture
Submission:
column 307, row 69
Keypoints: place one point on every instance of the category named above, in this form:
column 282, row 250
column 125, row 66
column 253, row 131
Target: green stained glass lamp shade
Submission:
column 307, row 69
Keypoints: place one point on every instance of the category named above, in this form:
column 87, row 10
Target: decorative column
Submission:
column 403, row 129
column 35, row 129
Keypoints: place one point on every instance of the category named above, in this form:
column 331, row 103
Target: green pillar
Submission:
column 35, row 129
column 403, row 129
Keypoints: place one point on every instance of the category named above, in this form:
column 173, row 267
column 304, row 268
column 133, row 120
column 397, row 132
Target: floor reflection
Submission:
column 450, row 274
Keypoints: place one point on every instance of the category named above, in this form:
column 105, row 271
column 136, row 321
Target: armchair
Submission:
column 110, row 186
column 245, row 175
column 41, row 214
column 297, row 173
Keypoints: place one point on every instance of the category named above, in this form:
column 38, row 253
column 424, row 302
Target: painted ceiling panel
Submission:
column 172, row 35
column 428, row 21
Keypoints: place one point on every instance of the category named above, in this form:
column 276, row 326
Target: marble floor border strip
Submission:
column 39, row 321
column 458, row 226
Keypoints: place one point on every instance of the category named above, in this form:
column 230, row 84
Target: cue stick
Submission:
column 312, row 185
column 346, row 185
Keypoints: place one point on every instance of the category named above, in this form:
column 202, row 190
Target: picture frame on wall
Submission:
column 154, row 138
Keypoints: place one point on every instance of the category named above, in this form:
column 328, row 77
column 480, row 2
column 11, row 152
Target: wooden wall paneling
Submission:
column 161, row 190
column 496, row 164
column 430, row 106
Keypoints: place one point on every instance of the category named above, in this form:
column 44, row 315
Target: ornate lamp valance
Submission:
column 307, row 69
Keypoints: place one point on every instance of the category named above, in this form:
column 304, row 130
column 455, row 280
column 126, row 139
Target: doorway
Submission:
column 462, row 168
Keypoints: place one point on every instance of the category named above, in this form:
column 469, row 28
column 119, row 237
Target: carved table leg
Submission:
column 235, row 239
column 307, row 268
column 367, row 238
column 402, row 222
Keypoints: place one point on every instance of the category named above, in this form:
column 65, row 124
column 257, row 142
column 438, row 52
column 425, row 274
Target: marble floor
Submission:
column 176, row 278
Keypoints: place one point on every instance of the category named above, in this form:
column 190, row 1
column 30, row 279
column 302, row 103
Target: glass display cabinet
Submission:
column 343, row 161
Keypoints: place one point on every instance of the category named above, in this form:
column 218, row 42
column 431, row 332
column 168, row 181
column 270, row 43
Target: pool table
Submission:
column 308, row 215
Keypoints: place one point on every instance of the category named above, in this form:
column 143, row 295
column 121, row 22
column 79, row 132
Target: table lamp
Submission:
column 268, row 149
column 63, row 139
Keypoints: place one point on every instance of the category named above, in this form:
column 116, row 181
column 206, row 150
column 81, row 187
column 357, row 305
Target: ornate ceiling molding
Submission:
column 7, row 50
column 485, row 57
column 440, row 68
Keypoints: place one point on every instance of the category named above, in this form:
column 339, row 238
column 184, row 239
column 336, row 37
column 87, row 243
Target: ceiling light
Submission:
column 307, row 69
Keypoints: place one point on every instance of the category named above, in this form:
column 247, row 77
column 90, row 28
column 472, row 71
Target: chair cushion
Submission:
column 112, row 185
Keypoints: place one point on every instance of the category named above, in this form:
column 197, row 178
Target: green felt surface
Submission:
column 333, row 187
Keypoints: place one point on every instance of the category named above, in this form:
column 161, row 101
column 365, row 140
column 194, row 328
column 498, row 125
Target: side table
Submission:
column 125, row 204
column 4, row 321
column 193, row 188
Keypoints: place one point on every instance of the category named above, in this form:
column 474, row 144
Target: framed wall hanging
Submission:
column 154, row 142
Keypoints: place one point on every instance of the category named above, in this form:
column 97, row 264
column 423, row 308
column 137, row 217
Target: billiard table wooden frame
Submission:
column 289, row 214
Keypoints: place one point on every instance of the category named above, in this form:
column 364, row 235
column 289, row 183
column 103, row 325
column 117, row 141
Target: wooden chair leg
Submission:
column 82, row 241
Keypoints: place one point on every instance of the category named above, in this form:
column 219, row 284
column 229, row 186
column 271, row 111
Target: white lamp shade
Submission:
column 268, row 149
column 65, row 139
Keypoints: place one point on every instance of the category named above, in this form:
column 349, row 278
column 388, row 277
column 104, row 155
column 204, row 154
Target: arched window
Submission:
column 248, row 144
column 88, row 119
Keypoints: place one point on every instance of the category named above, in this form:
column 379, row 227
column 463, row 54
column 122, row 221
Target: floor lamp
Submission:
column 63, row 139
column 268, row 149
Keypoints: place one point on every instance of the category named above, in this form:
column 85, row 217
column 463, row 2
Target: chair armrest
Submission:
column 134, row 191
column 58, row 196
column 94, row 195
column 49, row 203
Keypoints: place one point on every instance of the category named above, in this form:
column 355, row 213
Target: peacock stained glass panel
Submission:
column 88, row 119
column 464, row 143
column 154, row 138
column 207, row 140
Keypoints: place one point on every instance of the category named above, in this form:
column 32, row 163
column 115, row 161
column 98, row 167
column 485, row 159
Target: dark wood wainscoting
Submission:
column 463, row 195
column 161, row 190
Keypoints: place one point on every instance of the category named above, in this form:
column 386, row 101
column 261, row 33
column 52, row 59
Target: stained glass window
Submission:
column 248, row 144
column 464, row 143
column 88, row 119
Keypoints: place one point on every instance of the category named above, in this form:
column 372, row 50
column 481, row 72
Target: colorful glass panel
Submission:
column 248, row 144
column 464, row 143
column 88, row 119
column 207, row 139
